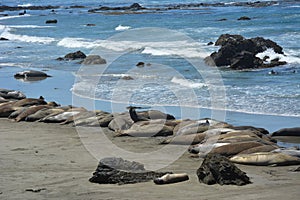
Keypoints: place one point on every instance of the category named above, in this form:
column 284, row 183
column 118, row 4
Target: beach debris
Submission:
column 35, row 190
column 239, row 53
column 93, row 60
column 217, row 169
column 265, row 159
column 171, row 178
column 295, row 131
column 112, row 170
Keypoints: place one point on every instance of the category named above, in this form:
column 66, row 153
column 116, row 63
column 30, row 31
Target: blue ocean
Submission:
column 171, row 43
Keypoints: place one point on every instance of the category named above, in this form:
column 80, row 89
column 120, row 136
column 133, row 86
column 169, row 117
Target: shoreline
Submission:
column 52, row 158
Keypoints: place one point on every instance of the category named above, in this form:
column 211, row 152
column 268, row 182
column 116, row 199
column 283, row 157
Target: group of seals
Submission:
column 242, row 144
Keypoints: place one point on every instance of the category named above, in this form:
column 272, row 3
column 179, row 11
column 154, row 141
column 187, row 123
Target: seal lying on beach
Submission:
column 171, row 178
column 30, row 102
column 287, row 132
column 134, row 116
column 43, row 113
column 265, row 158
column 148, row 129
column 31, row 110
column 185, row 139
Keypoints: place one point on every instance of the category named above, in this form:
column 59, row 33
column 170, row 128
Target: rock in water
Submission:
column 218, row 169
column 116, row 170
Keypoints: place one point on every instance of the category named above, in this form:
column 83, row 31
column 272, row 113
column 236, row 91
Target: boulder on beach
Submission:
column 239, row 53
column 217, row 169
column 114, row 170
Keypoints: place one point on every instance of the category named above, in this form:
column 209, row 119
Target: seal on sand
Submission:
column 265, row 158
column 287, row 132
column 134, row 116
column 171, row 178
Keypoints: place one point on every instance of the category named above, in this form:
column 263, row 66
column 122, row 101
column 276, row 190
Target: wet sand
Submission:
column 51, row 158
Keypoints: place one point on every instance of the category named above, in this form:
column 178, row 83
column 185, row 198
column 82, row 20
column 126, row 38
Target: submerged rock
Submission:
column 218, row 169
column 114, row 170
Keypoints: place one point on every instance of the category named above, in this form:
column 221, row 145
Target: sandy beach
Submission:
column 49, row 161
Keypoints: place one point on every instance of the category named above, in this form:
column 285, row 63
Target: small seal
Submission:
column 171, row 178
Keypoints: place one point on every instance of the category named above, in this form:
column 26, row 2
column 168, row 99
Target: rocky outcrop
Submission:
column 73, row 56
column 93, row 60
column 133, row 7
column 240, row 53
column 216, row 169
column 118, row 171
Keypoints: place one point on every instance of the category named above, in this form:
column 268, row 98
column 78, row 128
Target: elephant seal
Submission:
column 204, row 148
column 134, row 116
column 11, row 94
column 287, row 132
column 289, row 151
column 185, row 139
column 29, row 111
column 43, row 113
column 235, row 148
column 265, row 159
column 149, row 129
column 171, row 178
column 30, row 74
column 7, row 109
column 30, row 102
column 263, row 148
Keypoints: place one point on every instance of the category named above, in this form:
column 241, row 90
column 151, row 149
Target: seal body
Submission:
column 171, row 178
column 265, row 158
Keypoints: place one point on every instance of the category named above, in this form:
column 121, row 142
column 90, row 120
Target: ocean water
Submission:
column 171, row 43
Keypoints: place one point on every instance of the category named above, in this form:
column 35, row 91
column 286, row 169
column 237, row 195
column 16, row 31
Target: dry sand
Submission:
column 51, row 157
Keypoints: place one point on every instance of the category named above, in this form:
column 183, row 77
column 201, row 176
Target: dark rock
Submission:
column 74, row 56
column 91, row 25
column 240, row 53
column 223, row 19
column 127, row 78
column 93, row 60
column 218, row 169
column 210, row 43
column 133, row 7
column 244, row 18
column 51, row 21
column 287, row 132
column 140, row 64
column 118, row 171
column 2, row 38
column 16, row 8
